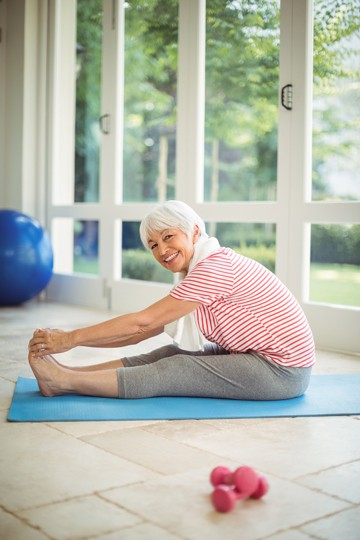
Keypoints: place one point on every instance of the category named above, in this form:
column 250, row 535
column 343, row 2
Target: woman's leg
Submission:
column 215, row 375
column 112, row 364
column 212, row 373
column 147, row 358
column 55, row 379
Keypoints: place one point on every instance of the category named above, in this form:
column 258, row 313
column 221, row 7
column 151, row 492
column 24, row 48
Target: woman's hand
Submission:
column 49, row 341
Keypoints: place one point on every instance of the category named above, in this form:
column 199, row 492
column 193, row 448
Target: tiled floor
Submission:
column 149, row 480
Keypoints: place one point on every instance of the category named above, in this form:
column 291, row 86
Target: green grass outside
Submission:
column 83, row 265
column 335, row 284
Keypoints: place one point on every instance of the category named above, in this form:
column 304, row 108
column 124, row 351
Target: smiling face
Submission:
column 173, row 249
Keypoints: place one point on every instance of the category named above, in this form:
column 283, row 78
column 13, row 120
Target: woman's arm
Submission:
column 120, row 331
column 134, row 340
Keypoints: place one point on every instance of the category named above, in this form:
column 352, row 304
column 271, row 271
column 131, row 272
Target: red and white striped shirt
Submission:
column 245, row 307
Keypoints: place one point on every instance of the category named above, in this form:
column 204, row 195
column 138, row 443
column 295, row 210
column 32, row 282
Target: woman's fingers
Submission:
column 37, row 346
column 47, row 341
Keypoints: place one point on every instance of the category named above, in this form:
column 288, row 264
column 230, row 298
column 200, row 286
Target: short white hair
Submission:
column 171, row 214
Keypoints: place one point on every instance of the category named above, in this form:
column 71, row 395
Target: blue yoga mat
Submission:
column 327, row 395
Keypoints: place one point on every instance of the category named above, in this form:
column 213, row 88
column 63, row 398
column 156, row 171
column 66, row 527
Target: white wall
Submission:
column 21, row 62
column 2, row 101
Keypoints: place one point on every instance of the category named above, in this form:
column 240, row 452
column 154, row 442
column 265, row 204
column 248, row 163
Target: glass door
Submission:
column 334, row 211
column 82, row 133
column 113, row 125
column 318, row 160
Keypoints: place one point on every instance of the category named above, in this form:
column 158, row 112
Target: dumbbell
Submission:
column 240, row 477
column 247, row 484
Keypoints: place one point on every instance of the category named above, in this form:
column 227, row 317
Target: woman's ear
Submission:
column 196, row 234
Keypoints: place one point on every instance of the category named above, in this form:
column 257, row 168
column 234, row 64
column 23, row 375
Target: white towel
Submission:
column 185, row 331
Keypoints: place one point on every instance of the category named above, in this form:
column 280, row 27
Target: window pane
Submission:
column 88, row 82
column 335, row 264
column 137, row 262
column 241, row 114
column 86, row 238
column 75, row 244
column 151, row 35
column 336, row 105
column 254, row 240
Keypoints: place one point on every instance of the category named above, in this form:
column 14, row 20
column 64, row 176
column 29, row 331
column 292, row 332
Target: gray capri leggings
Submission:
column 214, row 373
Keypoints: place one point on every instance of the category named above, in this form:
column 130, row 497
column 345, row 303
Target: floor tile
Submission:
column 12, row 370
column 12, row 528
column 80, row 518
column 145, row 531
column 336, row 363
column 188, row 431
column 289, row 535
column 34, row 314
column 181, row 430
column 342, row 482
column 181, row 503
column 6, row 393
column 3, row 417
column 82, row 429
column 15, row 345
column 151, row 451
column 297, row 444
column 343, row 525
column 45, row 466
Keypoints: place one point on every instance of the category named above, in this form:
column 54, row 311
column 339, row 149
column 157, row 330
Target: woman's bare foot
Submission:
column 53, row 378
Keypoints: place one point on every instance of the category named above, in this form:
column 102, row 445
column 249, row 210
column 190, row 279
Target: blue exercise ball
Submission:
column 26, row 258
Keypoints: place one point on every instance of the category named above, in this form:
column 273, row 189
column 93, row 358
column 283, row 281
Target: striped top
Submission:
column 245, row 307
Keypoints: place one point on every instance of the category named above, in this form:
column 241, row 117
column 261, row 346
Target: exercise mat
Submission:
column 327, row 395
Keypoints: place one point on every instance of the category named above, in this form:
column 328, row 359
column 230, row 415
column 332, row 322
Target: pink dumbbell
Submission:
column 240, row 478
column 247, row 484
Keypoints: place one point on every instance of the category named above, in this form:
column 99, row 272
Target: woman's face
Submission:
column 173, row 249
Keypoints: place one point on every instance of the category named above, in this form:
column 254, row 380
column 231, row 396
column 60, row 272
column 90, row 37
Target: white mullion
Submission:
column 191, row 102
column 327, row 212
column 283, row 238
column 84, row 211
column 52, row 136
column 111, row 155
column 42, row 108
column 3, row 25
column 108, row 154
column 112, row 100
column 50, row 108
column 241, row 212
column 76, row 289
column 300, row 136
column 63, row 103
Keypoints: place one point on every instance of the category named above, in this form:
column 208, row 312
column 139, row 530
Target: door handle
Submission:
column 104, row 122
column 287, row 97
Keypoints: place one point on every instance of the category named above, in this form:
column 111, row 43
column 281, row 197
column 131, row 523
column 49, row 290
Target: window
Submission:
column 336, row 105
column 241, row 100
column 150, row 89
column 181, row 99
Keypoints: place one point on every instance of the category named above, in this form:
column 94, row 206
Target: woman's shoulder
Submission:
column 226, row 254
column 221, row 260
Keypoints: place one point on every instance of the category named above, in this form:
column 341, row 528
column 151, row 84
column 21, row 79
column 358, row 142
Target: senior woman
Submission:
column 238, row 331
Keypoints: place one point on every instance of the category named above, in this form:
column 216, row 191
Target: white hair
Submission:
column 171, row 214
